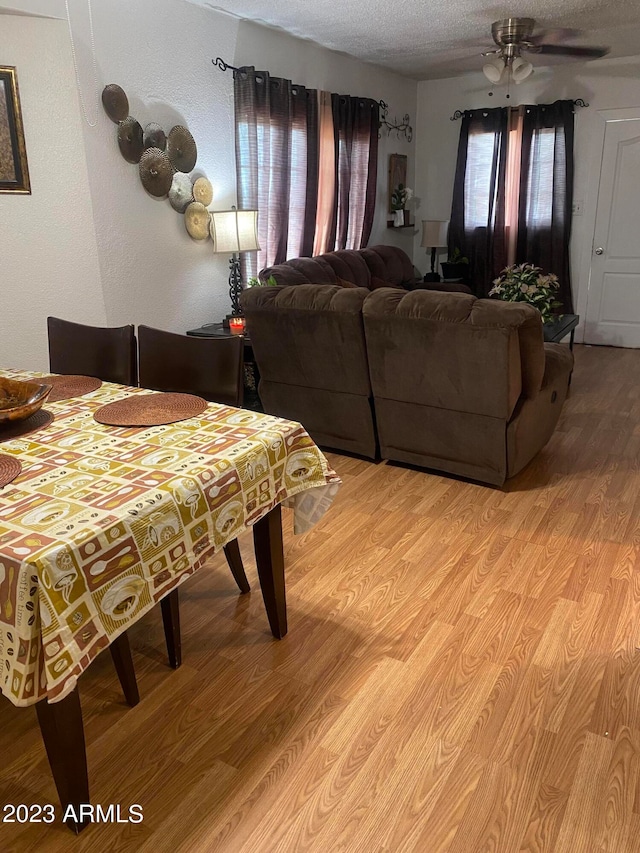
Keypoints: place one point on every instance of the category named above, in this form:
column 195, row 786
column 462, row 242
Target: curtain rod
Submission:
column 579, row 102
column 402, row 128
column 222, row 65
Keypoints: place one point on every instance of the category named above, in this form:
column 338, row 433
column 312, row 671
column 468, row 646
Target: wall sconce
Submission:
column 402, row 128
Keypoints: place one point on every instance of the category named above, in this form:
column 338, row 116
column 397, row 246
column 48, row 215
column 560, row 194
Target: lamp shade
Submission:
column 520, row 69
column 434, row 233
column 234, row 230
column 494, row 70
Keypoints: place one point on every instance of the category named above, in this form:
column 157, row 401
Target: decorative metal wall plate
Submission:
column 156, row 172
column 196, row 220
column 181, row 192
column 115, row 102
column 154, row 136
column 181, row 148
column 203, row 191
column 130, row 140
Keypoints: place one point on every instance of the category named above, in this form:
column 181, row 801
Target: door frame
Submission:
column 596, row 154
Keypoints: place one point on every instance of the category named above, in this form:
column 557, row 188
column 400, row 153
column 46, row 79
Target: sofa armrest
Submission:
column 558, row 361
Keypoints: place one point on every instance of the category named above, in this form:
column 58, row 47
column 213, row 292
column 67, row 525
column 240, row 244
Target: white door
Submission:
column 613, row 306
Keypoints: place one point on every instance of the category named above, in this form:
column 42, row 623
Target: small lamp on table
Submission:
column 434, row 237
column 234, row 231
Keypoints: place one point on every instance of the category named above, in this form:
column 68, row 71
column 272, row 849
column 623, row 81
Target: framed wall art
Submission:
column 397, row 174
column 14, row 172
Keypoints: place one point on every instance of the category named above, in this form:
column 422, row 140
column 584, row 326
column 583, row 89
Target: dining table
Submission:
column 103, row 522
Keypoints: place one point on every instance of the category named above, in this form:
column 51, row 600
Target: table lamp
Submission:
column 234, row 231
column 434, row 236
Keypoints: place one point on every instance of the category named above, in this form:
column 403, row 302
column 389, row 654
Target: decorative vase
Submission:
column 398, row 218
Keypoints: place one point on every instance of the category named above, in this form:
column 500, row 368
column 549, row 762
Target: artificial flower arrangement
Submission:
column 400, row 196
column 527, row 283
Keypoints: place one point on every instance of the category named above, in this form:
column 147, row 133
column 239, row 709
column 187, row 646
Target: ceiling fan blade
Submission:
column 566, row 50
column 554, row 35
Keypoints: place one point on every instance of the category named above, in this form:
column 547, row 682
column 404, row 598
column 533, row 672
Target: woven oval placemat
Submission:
column 71, row 385
column 16, row 429
column 10, row 467
column 150, row 409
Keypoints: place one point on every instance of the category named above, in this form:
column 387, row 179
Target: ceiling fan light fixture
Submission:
column 494, row 70
column 520, row 69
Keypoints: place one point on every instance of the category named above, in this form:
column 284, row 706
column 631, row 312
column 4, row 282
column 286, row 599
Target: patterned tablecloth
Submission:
column 104, row 521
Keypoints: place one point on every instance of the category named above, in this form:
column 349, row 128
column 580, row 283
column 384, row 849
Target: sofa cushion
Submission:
column 349, row 265
column 389, row 263
column 452, row 350
column 376, row 283
column 301, row 271
column 309, row 335
column 378, row 266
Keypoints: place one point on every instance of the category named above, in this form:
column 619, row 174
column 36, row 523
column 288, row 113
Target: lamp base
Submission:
column 431, row 276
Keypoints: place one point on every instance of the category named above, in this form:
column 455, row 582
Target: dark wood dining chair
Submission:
column 209, row 367
column 212, row 368
column 109, row 354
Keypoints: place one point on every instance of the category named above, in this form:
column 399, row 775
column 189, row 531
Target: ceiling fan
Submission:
column 513, row 36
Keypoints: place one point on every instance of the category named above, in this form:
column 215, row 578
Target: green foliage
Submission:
column 255, row 282
column 526, row 283
column 456, row 257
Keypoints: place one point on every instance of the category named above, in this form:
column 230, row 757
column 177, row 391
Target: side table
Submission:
column 251, row 373
column 555, row 332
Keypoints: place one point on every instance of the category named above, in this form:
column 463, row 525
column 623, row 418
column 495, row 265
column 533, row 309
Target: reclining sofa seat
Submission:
column 460, row 384
column 308, row 341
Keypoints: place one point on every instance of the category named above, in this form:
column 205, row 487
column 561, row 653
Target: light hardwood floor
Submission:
column 461, row 674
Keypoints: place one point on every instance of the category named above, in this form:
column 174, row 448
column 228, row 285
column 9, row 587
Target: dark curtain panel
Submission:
column 546, row 192
column 478, row 209
column 313, row 154
column 356, row 125
column 276, row 153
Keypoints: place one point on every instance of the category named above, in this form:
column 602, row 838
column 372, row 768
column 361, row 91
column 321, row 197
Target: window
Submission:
column 513, row 189
column 307, row 161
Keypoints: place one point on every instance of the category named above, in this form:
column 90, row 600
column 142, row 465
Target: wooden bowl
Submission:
column 19, row 400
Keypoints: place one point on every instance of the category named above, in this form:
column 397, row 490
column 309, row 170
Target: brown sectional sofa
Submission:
column 440, row 380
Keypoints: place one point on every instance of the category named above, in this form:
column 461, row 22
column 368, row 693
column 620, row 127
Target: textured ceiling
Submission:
column 438, row 38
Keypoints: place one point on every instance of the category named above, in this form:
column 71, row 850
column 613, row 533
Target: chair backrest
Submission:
column 107, row 353
column 209, row 367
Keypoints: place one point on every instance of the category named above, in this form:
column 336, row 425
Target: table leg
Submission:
column 267, row 539
column 63, row 736
column 123, row 662
column 171, row 618
column 573, row 331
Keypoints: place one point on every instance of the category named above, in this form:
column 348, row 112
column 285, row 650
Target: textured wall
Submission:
column 316, row 67
column 160, row 52
column 48, row 257
column 604, row 84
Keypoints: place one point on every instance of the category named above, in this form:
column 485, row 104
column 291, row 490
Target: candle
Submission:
column 236, row 325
